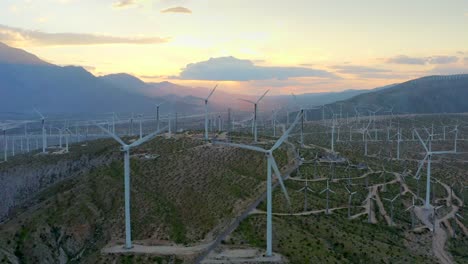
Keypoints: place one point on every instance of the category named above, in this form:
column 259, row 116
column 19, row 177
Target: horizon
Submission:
column 305, row 47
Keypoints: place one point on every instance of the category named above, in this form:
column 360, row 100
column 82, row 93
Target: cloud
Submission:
column 178, row 9
column 123, row 4
column 233, row 69
column 367, row 72
column 442, row 59
column 354, row 69
column 17, row 36
column 465, row 60
column 403, row 59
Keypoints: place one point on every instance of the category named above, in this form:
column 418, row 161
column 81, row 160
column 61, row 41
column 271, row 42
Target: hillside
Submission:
column 75, row 217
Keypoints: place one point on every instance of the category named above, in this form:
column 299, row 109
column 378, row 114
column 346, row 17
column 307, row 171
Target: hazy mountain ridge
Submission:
column 27, row 82
column 430, row 94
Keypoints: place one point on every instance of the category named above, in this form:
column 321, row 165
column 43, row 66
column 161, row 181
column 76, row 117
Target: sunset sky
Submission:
column 247, row 46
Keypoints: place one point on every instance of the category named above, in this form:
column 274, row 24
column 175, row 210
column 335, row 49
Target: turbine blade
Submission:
column 280, row 178
column 147, row 138
column 301, row 189
column 39, row 113
column 254, row 148
column 212, row 91
column 286, row 134
column 420, row 140
column 111, row 134
column 420, row 167
column 245, row 100
column 261, row 97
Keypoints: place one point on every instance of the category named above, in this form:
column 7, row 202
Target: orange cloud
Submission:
column 178, row 9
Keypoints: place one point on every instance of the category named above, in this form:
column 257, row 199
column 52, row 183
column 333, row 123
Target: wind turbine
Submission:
column 305, row 189
column 399, row 139
column 455, row 130
column 428, row 158
column 255, row 113
column 391, row 207
column 44, row 139
column 271, row 164
column 126, row 149
column 5, row 146
column 412, row 213
column 206, row 110
column 328, row 190
column 365, row 135
column 349, row 201
column 157, row 115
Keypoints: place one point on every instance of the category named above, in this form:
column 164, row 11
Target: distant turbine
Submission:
column 157, row 115
column 126, row 149
column 391, row 207
column 44, row 139
column 206, row 110
column 255, row 113
column 327, row 190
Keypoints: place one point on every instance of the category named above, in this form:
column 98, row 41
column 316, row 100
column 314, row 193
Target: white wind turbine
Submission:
column 255, row 113
column 5, row 145
column 305, row 189
column 455, row 130
column 391, row 207
column 126, row 149
column 271, row 164
column 428, row 158
column 44, row 132
column 350, row 199
column 328, row 190
column 206, row 110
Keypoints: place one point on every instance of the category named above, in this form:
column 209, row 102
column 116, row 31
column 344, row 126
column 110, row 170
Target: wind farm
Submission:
column 233, row 142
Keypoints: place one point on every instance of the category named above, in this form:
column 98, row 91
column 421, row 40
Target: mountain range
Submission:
column 28, row 82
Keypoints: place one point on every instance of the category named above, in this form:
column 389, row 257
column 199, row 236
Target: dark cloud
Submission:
column 178, row 9
column 12, row 35
column 233, row 69
column 403, row 59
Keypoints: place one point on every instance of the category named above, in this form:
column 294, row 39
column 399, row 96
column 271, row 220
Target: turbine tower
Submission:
column 126, row 149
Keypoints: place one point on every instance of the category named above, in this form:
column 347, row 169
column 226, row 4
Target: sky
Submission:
column 245, row 46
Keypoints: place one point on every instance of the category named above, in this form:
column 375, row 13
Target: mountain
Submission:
column 9, row 55
column 26, row 82
column 431, row 94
